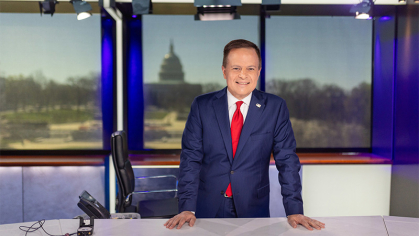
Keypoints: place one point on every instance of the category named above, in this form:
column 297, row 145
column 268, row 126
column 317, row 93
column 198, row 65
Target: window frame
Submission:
column 107, row 130
column 189, row 9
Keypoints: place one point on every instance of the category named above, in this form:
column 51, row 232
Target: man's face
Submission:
column 241, row 72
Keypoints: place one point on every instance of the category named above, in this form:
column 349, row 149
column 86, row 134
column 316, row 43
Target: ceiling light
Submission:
column 206, row 13
column 362, row 10
column 214, row 10
column 83, row 15
column 82, row 9
column 47, row 7
column 362, row 16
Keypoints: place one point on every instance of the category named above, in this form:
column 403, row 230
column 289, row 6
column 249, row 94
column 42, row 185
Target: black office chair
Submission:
column 160, row 208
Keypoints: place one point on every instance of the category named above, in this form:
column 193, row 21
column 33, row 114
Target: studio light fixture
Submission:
column 47, row 7
column 270, row 6
column 141, row 7
column 402, row 1
column 363, row 9
column 82, row 9
column 213, row 10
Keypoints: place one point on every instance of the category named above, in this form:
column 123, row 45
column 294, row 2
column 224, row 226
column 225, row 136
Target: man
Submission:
column 227, row 144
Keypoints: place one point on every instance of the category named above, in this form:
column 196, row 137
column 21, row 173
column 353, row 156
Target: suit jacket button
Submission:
column 232, row 172
column 222, row 192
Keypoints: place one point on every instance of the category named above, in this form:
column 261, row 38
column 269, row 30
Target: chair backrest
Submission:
column 123, row 169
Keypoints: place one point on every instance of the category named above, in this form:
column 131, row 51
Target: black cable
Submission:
column 41, row 223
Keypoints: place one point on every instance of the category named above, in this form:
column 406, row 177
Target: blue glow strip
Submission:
column 135, row 100
column 383, row 88
column 108, row 74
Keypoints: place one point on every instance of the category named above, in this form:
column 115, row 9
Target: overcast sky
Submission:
column 59, row 46
column 328, row 49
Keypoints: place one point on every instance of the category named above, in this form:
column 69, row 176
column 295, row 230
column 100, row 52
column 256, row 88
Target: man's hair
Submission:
column 240, row 43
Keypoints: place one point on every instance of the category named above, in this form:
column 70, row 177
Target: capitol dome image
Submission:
column 171, row 68
column 170, row 97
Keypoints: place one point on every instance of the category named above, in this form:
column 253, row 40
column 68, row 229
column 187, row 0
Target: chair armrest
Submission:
column 158, row 177
column 155, row 191
column 151, row 191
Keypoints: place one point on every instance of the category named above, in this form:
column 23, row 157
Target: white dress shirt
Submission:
column 232, row 105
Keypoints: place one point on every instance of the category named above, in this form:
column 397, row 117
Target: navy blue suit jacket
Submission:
column 207, row 165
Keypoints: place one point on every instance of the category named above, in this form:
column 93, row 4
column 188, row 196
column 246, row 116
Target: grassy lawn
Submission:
column 50, row 117
column 155, row 114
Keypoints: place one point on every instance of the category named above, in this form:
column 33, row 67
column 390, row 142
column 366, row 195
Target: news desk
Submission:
column 344, row 226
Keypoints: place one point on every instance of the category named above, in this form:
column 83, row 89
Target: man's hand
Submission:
column 180, row 219
column 296, row 219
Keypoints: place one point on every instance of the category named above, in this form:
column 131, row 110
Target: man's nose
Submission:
column 242, row 74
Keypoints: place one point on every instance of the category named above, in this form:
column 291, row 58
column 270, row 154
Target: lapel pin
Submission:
column 258, row 105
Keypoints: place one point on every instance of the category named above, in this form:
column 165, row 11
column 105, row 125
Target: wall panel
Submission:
column 11, row 209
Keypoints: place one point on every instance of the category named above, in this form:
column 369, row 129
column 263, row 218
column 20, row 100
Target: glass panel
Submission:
column 50, row 82
column 182, row 59
column 321, row 66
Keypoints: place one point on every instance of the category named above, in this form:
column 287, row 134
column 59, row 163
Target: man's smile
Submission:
column 242, row 83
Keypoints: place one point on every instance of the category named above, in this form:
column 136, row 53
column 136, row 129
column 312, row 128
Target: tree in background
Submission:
column 326, row 115
column 30, row 105
column 35, row 91
column 211, row 87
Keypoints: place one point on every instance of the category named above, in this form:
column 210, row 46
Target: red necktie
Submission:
column 236, row 129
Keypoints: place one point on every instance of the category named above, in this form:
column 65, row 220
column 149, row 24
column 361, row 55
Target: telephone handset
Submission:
column 92, row 207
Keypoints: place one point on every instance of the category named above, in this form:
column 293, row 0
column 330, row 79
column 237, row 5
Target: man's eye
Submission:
column 236, row 68
column 251, row 68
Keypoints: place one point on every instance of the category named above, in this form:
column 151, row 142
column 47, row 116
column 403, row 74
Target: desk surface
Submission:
column 339, row 226
column 400, row 226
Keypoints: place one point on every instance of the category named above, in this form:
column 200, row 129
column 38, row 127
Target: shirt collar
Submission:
column 232, row 100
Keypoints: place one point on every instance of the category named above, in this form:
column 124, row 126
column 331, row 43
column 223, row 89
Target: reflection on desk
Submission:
column 400, row 226
column 340, row 226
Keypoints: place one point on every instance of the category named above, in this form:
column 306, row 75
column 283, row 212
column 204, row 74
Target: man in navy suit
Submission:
column 227, row 144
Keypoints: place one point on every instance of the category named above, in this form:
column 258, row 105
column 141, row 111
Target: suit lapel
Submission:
column 221, row 112
column 256, row 107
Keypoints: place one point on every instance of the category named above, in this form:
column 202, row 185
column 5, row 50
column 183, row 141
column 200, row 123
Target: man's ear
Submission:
column 224, row 72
